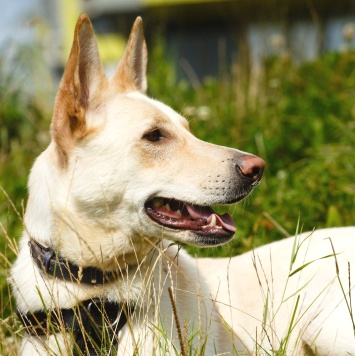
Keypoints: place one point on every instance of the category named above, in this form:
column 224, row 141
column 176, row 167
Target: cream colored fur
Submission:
column 87, row 192
column 257, row 298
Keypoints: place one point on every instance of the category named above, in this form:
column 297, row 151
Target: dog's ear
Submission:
column 130, row 74
column 81, row 82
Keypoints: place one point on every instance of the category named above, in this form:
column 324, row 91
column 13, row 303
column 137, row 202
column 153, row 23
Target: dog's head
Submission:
column 133, row 169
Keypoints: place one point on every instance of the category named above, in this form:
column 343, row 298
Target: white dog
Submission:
column 95, row 273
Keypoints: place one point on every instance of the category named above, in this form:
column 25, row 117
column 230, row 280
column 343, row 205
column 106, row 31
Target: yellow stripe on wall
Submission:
column 69, row 11
column 175, row 2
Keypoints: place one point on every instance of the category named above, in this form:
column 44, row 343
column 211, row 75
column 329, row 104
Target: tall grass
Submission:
column 23, row 134
column 300, row 119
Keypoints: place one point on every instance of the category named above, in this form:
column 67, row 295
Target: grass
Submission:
column 296, row 298
column 300, row 119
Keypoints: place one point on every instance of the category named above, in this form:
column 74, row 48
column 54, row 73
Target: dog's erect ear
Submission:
column 130, row 74
column 82, row 80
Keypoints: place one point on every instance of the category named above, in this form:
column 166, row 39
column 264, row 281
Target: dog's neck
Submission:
column 55, row 291
column 54, row 221
column 49, row 262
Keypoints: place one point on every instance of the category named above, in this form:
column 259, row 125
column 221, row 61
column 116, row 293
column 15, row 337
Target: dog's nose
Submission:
column 251, row 167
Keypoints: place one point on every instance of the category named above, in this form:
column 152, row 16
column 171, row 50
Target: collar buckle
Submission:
column 47, row 260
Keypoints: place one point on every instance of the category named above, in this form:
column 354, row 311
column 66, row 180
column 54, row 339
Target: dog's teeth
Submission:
column 178, row 212
column 167, row 207
column 213, row 221
column 157, row 202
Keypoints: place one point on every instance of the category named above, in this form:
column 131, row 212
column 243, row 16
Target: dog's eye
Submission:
column 153, row 136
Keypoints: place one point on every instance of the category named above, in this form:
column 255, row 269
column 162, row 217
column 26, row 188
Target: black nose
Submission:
column 251, row 167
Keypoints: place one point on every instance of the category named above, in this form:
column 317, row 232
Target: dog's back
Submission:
column 291, row 295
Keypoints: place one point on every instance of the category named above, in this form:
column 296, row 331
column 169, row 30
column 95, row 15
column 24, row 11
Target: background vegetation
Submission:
column 300, row 119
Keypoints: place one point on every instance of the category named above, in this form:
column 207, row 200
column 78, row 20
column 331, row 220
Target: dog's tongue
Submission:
column 202, row 212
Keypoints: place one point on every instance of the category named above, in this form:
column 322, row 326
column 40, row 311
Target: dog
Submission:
column 122, row 183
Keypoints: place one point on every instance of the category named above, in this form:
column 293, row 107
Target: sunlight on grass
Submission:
column 304, row 127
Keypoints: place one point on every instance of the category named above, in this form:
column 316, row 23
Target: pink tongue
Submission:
column 207, row 213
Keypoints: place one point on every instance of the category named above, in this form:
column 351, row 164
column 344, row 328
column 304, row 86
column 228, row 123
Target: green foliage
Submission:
column 23, row 129
column 301, row 121
column 23, row 135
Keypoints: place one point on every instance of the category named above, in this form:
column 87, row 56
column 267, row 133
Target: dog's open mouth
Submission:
column 180, row 215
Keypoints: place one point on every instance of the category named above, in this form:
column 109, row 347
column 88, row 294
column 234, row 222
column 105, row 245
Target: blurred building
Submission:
column 204, row 37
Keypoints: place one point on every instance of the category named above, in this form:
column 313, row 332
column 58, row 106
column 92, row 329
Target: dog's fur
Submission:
column 113, row 149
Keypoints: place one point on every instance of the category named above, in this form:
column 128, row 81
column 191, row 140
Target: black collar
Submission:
column 48, row 261
column 95, row 325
